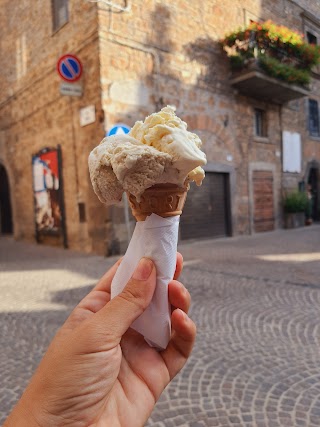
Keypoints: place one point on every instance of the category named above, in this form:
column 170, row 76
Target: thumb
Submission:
column 117, row 316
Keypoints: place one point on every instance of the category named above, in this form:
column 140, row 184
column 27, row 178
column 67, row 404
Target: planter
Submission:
column 294, row 220
column 281, row 53
column 255, row 83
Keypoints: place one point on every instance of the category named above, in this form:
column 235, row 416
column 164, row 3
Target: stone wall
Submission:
column 165, row 53
column 35, row 115
column 302, row 16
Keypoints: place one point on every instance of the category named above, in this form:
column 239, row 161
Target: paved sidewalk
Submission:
column 256, row 362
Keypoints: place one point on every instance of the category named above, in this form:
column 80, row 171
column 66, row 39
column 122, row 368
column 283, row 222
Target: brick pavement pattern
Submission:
column 256, row 361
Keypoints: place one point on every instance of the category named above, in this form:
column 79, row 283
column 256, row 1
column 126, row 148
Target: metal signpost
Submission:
column 69, row 69
column 70, row 89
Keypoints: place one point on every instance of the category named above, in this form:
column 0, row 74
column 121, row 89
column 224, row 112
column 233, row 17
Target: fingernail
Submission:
column 143, row 270
column 185, row 317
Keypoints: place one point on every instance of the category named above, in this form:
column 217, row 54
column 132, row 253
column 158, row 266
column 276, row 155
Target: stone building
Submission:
column 137, row 57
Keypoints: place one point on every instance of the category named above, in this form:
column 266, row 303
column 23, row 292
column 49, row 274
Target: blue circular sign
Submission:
column 69, row 68
column 118, row 129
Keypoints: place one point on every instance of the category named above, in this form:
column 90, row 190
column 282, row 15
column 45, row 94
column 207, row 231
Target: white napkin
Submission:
column 155, row 238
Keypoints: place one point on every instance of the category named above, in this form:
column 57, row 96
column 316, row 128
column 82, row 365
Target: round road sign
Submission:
column 69, row 68
column 118, row 129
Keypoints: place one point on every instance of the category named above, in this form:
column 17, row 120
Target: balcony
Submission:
column 255, row 83
column 270, row 62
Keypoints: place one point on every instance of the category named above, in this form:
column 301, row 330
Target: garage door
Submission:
column 207, row 209
column 263, row 216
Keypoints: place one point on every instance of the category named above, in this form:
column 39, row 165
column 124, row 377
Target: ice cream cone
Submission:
column 164, row 200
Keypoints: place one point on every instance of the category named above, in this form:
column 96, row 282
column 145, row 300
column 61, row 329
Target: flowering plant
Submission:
column 278, row 49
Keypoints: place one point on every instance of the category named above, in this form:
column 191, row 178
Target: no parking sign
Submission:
column 69, row 68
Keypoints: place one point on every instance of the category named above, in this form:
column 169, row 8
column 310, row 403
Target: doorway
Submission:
column 207, row 212
column 313, row 181
column 6, row 226
column 263, row 214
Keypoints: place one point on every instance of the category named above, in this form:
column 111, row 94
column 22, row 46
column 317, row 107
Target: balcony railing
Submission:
column 270, row 62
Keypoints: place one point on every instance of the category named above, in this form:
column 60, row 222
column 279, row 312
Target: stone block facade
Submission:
column 35, row 115
column 138, row 57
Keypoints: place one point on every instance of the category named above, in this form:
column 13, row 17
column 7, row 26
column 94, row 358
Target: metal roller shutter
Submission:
column 207, row 209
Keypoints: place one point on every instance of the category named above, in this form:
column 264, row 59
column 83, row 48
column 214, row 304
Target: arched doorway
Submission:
column 6, row 226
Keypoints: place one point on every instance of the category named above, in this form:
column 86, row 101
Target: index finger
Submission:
column 179, row 266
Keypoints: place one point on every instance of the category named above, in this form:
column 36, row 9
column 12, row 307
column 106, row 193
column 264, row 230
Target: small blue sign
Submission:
column 118, row 129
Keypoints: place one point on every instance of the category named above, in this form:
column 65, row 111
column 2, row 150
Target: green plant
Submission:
column 295, row 201
column 237, row 61
column 285, row 72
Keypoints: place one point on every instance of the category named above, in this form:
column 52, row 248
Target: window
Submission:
column 312, row 39
column 311, row 30
column 314, row 128
column 59, row 13
column 82, row 212
column 250, row 17
column 260, row 123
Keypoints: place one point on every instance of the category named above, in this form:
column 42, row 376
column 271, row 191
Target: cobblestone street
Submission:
column 256, row 362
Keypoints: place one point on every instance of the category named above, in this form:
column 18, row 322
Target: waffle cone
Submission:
column 164, row 200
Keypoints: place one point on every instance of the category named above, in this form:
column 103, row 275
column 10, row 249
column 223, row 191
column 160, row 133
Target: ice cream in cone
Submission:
column 165, row 200
column 157, row 155
column 154, row 165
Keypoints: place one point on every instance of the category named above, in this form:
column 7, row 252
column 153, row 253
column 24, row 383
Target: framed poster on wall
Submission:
column 48, row 193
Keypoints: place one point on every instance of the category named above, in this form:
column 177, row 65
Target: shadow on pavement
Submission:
column 24, row 256
column 71, row 297
column 24, row 339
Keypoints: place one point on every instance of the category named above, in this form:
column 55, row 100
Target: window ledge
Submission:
column 314, row 138
column 54, row 32
column 263, row 139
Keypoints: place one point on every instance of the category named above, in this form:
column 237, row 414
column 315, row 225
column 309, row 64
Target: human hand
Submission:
column 99, row 372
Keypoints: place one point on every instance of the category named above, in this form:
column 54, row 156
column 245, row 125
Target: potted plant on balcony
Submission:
column 295, row 205
column 276, row 50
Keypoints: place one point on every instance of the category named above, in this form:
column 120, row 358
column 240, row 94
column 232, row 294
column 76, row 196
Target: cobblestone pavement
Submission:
column 256, row 361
